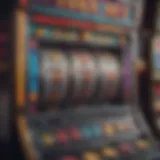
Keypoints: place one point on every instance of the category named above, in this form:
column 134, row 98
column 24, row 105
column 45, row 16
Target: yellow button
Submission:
column 142, row 144
column 48, row 139
column 110, row 152
column 109, row 129
column 91, row 156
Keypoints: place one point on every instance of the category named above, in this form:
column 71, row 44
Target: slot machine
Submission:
column 75, row 82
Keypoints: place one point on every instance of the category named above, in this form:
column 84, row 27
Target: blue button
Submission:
column 96, row 130
column 87, row 132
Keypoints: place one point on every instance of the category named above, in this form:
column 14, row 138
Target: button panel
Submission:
column 95, row 138
column 86, row 133
column 118, row 151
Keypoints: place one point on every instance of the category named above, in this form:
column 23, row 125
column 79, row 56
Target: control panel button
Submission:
column 109, row 129
column 110, row 152
column 62, row 136
column 125, row 148
column 142, row 144
column 87, row 132
column 75, row 133
column 48, row 139
column 91, row 156
column 97, row 131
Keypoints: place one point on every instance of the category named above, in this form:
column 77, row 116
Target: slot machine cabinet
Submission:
column 154, row 74
column 75, row 82
column 151, row 107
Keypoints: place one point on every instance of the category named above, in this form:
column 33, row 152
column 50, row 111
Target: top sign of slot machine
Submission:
column 75, row 81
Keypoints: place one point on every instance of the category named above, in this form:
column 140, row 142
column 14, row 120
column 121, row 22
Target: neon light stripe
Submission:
column 63, row 22
column 33, row 71
column 20, row 58
column 81, row 16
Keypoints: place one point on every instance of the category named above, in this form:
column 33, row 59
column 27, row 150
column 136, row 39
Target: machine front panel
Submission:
column 80, row 90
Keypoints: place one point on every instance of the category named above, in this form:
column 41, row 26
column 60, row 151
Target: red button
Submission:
column 125, row 148
column 75, row 133
column 62, row 136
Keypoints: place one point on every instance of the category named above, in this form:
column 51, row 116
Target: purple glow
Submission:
column 127, row 73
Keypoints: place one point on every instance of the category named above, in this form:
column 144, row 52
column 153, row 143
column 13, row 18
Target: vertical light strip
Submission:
column 21, row 29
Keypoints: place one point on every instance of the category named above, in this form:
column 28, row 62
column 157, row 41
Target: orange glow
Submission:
column 20, row 59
